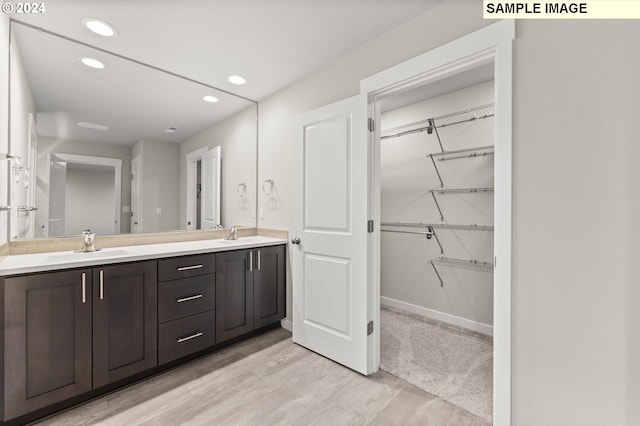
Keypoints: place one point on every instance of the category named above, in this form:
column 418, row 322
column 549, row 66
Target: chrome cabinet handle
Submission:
column 193, row 336
column 186, row 299
column 101, row 285
column 295, row 240
column 84, row 287
column 187, row 268
column 259, row 260
column 250, row 261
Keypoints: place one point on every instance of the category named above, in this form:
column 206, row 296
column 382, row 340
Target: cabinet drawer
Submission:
column 185, row 336
column 188, row 296
column 186, row 266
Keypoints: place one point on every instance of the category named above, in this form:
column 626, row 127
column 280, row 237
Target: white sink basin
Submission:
column 89, row 255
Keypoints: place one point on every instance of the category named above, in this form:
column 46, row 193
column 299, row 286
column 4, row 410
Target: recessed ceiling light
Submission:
column 236, row 79
column 92, row 62
column 99, row 27
column 210, row 98
column 172, row 129
column 93, row 126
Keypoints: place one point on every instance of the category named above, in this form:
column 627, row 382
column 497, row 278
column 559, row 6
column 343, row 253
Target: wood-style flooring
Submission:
column 267, row 380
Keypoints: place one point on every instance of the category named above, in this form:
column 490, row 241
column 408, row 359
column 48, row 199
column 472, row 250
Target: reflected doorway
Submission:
column 84, row 193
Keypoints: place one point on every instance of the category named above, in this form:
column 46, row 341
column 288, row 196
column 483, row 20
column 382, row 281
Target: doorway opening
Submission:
column 84, row 193
column 436, row 241
column 441, row 70
column 203, row 188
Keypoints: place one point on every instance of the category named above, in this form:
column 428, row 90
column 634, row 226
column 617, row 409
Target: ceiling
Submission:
column 272, row 43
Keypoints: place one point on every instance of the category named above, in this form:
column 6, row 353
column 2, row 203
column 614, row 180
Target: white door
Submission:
column 57, row 197
column 329, row 237
column 136, row 194
column 210, row 193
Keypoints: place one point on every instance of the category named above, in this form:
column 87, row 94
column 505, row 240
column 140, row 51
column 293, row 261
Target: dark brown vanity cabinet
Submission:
column 186, row 305
column 268, row 286
column 72, row 331
column 249, row 291
column 47, row 339
column 125, row 320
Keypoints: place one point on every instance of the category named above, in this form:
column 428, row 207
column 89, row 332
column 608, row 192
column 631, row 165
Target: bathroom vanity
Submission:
column 76, row 325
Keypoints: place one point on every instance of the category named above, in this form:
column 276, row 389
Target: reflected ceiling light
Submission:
column 210, row 98
column 92, row 62
column 236, row 79
column 99, row 27
column 93, row 126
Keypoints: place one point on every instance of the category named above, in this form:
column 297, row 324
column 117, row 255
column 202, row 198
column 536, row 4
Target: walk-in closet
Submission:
column 437, row 223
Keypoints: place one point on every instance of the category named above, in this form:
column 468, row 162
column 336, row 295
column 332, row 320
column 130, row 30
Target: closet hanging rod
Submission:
column 427, row 233
column 428, row 124
column 472, row 227
column 479, row 151
column 459, row 190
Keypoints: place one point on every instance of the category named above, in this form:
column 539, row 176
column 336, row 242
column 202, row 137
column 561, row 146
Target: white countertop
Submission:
column 39, row 262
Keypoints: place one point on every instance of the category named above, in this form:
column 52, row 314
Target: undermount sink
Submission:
column 86, row 255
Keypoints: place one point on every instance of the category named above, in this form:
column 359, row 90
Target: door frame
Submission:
column 490, row 44
column 116, row 163
column 192, row 159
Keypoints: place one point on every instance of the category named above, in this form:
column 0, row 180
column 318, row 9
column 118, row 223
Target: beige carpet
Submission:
column 448, row 362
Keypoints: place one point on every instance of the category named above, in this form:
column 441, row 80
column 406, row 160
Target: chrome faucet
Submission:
column 233, row 235
column 87, row 241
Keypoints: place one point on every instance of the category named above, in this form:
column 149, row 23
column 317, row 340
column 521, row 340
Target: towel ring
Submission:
column 268, row 191
column 241, row 189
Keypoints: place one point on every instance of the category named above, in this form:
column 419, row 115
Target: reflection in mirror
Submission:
column 122, row 148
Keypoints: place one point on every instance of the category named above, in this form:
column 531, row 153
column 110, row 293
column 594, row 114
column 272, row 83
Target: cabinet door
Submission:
column 234, row 294
column 268, row 286
column 125, row 321
column 47, row 344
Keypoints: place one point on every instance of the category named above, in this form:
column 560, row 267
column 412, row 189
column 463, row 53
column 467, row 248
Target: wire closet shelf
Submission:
column 430, row 124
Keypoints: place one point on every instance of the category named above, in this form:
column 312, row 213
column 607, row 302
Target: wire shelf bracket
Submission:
column 443, row 191
column 472, row 265
column 457, row 154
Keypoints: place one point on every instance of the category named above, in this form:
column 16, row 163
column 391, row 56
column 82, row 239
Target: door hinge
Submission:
column 370, row 328
column 370, row 226
column 371, row 124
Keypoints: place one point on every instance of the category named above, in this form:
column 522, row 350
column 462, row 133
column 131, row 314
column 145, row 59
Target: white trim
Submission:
column 286, row 324
column 438, row 316
column 492, row 43
column 116, row 163
column 191, row 159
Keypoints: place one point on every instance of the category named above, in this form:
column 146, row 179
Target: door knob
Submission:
column 295, row 240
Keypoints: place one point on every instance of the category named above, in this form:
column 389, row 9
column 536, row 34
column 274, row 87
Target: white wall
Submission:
column 237, row 138
column 160, row 185
column 89, row 201
column 466, row 297
column 575, row 164
column 48, row 145
column 4, row 123
column 22, row 104
column 576, row 206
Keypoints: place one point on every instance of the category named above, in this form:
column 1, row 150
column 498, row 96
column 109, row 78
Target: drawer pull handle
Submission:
column 187, row 268
column 193, row 336
column 186, row 299
column 84, row 287
column 101, row 284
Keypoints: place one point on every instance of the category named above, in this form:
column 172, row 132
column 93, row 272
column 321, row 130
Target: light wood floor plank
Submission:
column 267, row 380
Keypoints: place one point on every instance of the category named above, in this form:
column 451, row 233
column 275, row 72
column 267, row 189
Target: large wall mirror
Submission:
column 117, row 146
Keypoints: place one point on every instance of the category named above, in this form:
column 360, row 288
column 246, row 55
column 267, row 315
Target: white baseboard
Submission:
column 286, row 324
column 437, row 316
